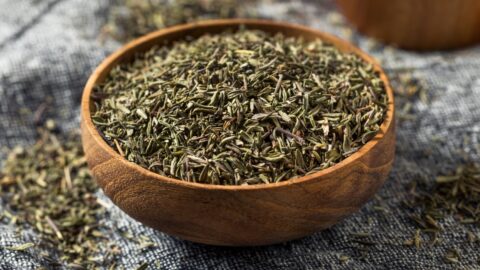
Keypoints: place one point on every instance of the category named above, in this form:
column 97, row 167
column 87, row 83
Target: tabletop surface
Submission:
column 49, row 48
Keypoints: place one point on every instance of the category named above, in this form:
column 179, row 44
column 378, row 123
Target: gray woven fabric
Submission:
column 48, row 48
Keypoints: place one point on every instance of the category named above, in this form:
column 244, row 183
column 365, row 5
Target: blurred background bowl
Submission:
column 416, row 24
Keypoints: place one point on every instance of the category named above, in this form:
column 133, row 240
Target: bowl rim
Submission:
column 341, row 44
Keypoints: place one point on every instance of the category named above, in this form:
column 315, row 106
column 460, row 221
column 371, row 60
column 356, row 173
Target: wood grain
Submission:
column 237, row 215
column 417, row 24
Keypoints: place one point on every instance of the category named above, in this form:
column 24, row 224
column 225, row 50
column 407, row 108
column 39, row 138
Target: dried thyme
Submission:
column 408, row 89
column 253, row 108
column 129, row 19
column 456, row 195
column 49, row 190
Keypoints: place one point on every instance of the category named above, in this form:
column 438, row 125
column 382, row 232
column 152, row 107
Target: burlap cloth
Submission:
column 48, row 49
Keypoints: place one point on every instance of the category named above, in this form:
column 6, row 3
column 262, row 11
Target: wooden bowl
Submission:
column 237, row 215
column 416, row 24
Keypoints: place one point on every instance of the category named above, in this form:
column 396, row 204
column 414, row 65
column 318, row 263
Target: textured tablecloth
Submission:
column 48, row 49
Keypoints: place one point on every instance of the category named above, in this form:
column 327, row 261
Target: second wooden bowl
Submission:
column 416, row 24
column 237, row 215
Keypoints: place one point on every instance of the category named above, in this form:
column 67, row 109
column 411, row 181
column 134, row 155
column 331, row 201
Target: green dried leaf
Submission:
column 21, row 247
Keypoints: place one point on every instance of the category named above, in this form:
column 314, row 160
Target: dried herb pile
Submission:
column 49, row 190
column 240, row 108
column 456, row 195
column 129, row 19
column 408, row 90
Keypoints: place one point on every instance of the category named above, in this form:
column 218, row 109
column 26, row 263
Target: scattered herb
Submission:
column 129, row 19
column 143, row 266
column 254, row 108
column 343, row 258
column 415, row 241
column 22, row 247
column 452, row 256
column 408, row 89
column 363, row 238
column 456, row 195
column 49, row 190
